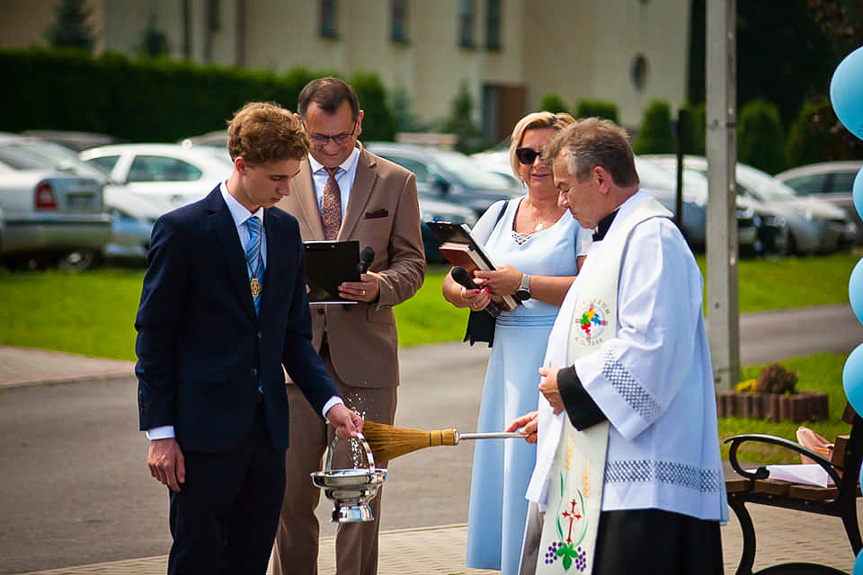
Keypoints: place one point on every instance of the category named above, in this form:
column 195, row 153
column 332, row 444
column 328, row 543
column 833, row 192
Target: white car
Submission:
column 175, row 173
column 48, row 213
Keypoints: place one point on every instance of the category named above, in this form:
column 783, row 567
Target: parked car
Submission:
column 449, row 176
column 497, row 161
column 49, row 215
column 759, row 231
column 179, row 174
column 75, row 141
column 829, row 181
column 439, row 211
column 813, row 225
column 132, row 219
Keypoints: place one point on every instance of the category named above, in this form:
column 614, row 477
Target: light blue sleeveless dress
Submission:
column 502, row 467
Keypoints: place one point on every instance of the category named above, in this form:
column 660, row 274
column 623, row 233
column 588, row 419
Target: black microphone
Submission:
column 462, row 277
column 367, row 256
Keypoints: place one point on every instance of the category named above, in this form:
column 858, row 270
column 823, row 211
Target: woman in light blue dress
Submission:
column 534, row 245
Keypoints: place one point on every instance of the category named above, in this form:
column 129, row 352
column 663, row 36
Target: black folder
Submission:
column 328, row 264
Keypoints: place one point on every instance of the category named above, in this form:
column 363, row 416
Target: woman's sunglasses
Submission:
column 526, row 156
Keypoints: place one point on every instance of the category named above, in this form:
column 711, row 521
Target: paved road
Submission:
column 75, row 489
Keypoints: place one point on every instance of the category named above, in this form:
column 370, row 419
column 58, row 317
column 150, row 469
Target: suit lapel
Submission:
column 360, row 193
column 229, row 242
column 304, row 188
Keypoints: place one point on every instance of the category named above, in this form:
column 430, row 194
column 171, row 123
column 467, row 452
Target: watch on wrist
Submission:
column 523, row 291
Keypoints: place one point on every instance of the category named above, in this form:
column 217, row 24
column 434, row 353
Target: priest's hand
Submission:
column 526, row 425
column 166, row 462
column 548, row 388
column 346, row 422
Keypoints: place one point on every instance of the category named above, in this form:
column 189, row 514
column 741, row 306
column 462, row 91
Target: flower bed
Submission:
column 799, row 407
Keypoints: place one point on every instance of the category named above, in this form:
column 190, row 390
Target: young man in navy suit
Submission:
column 223, row 308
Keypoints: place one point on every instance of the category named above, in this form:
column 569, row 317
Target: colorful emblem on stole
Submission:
column 592, row 321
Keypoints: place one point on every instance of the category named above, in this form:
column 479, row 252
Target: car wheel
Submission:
column 23, row 263
column 792, row 249
column 80, row 261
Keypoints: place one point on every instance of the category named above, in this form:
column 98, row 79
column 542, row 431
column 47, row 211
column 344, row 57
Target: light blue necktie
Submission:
column 254, row 262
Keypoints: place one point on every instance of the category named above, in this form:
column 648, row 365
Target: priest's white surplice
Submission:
column 653, row 381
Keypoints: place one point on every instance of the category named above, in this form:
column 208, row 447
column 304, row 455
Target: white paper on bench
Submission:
column 808, row 473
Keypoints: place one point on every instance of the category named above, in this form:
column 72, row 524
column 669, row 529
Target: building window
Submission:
column 638, row 72
column 492, row 25
column 327, row 28
column 466, row 14
column 398, row 30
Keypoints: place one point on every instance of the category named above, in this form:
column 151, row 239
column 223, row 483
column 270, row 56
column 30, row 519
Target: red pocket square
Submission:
column 381, row 213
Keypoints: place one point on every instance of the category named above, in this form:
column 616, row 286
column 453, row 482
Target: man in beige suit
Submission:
column 345, row 193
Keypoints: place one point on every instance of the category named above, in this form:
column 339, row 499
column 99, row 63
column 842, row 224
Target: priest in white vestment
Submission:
column 628, row 382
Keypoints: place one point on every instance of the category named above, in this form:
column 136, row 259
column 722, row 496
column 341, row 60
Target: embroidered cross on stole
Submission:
column 574, row 503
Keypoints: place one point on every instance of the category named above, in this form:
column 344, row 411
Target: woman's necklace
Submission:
column 541, row 222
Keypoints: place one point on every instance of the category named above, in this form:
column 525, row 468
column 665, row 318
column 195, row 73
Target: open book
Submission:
column 460, row 248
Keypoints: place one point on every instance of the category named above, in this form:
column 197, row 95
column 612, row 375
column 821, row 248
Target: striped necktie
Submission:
column 331, row 206
column 254, row 261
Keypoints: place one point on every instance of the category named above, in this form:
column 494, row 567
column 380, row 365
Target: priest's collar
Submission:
column 602, row 227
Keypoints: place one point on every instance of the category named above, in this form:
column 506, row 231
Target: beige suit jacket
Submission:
column 382, row 212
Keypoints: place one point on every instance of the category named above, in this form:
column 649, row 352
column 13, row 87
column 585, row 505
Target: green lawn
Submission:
column 93, row 314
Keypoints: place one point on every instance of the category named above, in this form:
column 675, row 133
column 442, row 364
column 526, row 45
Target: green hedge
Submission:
column 598, row 108
column 656, row 135
column 148, row 100
column 760, row 139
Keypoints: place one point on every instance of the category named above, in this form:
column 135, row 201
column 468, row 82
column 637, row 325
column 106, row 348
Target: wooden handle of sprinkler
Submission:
column 443, row 437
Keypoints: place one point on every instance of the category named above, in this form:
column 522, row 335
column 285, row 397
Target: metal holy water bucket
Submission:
column 350, row 490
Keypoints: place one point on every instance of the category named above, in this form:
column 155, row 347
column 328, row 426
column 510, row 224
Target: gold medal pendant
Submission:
column 256, row 286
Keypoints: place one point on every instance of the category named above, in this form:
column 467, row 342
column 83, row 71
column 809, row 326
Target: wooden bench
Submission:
column 838, row 500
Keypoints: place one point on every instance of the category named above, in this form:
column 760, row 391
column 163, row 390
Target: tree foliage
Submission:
column 71, row 27
column 694, row 129
column 597, row 108
column 154, row 42
column 552, row 102
column 461, row 123
column 760, row 138
column 379, row 124
column 656, row 135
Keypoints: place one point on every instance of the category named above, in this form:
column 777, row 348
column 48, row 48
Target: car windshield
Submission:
column 654, row 175
column 469, row 173
column 48, row 155
column 764, row 186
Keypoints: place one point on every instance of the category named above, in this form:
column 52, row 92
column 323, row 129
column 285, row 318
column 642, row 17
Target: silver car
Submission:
column 48, row 214
column 829, row 181
column 813, row 225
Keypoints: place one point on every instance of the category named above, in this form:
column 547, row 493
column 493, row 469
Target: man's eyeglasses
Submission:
column 339, row 139
column 526, row 156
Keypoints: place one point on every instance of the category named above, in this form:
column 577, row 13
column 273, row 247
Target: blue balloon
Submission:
column 846, row 92
column 855, row 290
column 858, row 192
column 852, row 379
column 858, row 564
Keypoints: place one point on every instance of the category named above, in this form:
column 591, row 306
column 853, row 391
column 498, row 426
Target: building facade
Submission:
column 510, row 53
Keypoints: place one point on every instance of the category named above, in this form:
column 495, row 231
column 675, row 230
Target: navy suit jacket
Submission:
column 202, row 350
